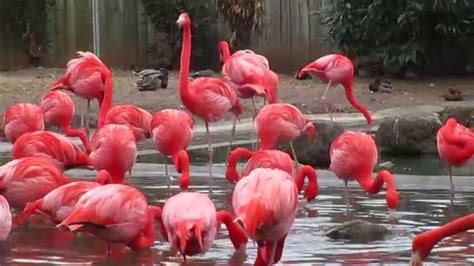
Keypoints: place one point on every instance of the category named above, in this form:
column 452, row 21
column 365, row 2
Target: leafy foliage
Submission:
column 25, row 17
column 403, row 32
column 243, row 16
column 164, row 14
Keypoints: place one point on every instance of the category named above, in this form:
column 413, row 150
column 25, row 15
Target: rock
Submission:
column 316, row 152
column 462, row 113
column 453, row 95
column 408, row 134
column 358, row 231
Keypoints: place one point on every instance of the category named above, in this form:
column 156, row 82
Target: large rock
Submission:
column 358, row 231
column 316, row 152
column 408, row 134
column 462, row 113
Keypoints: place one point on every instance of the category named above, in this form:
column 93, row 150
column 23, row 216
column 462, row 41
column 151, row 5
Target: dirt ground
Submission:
column 27, row 85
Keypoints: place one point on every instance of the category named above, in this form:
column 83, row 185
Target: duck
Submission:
column 453, row 95
column 151, row 79
column 381, row 85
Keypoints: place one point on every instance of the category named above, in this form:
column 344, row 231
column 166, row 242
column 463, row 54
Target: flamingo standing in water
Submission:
column 88, row 77
column 353, row 156
column 58, row 203
column 21, row 118
column 58, row 109
column 114, row 149
column 208, row 98
column 55, row 147
column 455, row 145
column 116, row 213
column 5, row 218
column 172, row 131
column 265, row 203
column 282, row 122
column 424, row 242
column 28, row 179
column 190, row 223
column 336, row 69
column 139, row 119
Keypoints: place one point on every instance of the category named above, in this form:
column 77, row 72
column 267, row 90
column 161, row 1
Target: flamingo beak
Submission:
column 392, row 214
column 415, row 259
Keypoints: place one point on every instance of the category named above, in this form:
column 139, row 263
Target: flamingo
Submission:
column 336, row 69
column 21, row 118
column 58, row 203
column 58, row 109
column 28, row 179
column 282, row 122
column 353, row 156
column 190, row 223
column 265, row 203
column 5, row 218
column 59, row 149
column 139, row 119
column 116, row 213
column 272, row 159
column 114, row 149
column 88, row 77
column 172, row 131
column 455, row 146
column 208, row 98
column 423, row 243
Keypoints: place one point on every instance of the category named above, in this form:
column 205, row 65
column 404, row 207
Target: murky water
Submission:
column 424, row 204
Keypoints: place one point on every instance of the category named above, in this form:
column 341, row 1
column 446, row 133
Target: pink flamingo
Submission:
column 59, row 149
column 114, row 149
column 208, row 98
column 172, row 131
column 272, row 159
column 190, row 223
column 353, row 157
column 28, row 179
column 282, row 122
column 424, row 242
column 5, row 218
column 336, row 69
column 88, row 77
column 58, row 109
column 116, row 213
column 455, row 145
column 21, row 118
column 265, row 203
column 59, row 202
column 139, row 119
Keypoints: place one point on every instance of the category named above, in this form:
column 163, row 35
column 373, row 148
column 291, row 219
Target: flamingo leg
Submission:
column 294, row 155
column 346, row 193
column 168, row 177
column 86, row 119
column 325, row 104
column 210, row 151
column 232, row 135
column 252, row 133
column 451, row 181
column 272, row 254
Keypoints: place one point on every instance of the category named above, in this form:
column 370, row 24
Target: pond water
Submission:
column 424, row 204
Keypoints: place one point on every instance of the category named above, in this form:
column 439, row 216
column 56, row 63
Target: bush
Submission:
column 407, row 33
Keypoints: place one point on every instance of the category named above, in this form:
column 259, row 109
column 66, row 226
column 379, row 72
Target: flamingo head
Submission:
column 421, row 248
column 223, row 48
column 103, row 177
column 310, row 130
column 415, row 259
column 451, row 122
column 189, row 237
column 183, row 20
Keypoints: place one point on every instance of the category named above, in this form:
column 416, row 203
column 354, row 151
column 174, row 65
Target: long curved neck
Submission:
column 373, row 186
column 181, row 162
column 225, row 51
column 350, row 97
column 107, row 99
column 236, row 234
column 80, row 133
column 430, row 238
column 312, row 189
column 147, row 237
column 185, row 64
column 234, row 157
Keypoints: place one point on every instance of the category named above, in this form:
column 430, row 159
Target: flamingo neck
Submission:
column 185, row 65
column 350, row 97
column 312, row 189
column 237, row 236
column 181, row 162
column 106, row 103
column 424, row 242
column 373, row 186
column 234, row 157
column 80, row 133
column 146, row 238
column 225, row 51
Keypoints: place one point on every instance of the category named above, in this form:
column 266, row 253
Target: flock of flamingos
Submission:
column 265, row 197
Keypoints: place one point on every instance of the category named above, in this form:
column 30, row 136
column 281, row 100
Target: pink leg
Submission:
column 451, row 181
column 294, row 156
column 327, row 104
column 87, row 118
column 252, row 136
column 210, row 152
column 232, row 135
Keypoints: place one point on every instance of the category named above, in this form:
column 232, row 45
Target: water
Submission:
column 424, row 204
